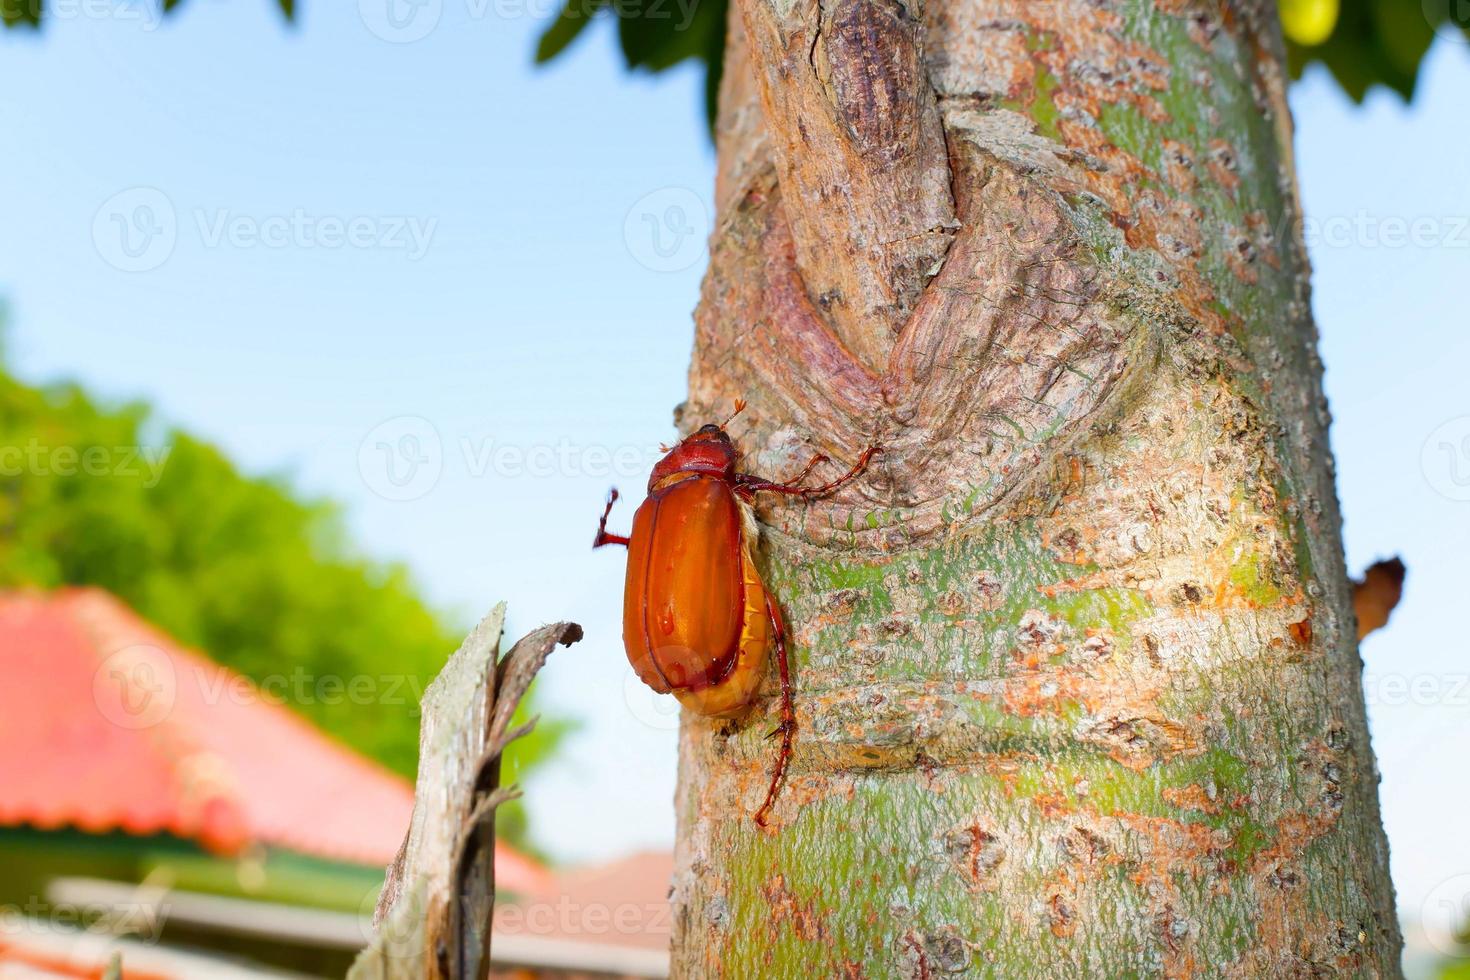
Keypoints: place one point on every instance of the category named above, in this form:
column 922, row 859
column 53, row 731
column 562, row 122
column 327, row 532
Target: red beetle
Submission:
column 697, row 620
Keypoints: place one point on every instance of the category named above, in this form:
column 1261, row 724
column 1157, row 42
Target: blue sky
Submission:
column 453, row 292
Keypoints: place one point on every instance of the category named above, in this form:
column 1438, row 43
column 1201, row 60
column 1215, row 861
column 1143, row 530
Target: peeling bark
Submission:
column 433, row 916
column 1076, row 667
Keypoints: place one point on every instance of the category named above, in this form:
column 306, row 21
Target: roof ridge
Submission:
column 207, row 789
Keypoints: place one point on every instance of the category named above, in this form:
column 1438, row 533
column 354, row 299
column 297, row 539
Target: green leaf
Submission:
column 574, row 17
column 656, row 35
column 1371, row 47
column 20, row 13
column 1404, row 33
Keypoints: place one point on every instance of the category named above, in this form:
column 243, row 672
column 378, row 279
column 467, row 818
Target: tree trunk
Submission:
column 1075, row 664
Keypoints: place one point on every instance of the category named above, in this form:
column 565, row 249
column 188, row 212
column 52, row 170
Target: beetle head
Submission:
column 707, row 451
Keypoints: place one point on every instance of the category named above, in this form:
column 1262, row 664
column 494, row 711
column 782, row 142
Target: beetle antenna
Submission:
column 739, row 407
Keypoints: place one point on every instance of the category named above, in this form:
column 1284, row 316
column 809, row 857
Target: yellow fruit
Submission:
column 1308, row 22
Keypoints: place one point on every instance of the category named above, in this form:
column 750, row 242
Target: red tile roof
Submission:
column 107, row 724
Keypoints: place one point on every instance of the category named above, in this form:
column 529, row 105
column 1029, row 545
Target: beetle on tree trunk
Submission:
column 698, row 621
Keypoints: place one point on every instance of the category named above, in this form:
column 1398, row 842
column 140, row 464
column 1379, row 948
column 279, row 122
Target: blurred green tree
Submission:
column 236, row 566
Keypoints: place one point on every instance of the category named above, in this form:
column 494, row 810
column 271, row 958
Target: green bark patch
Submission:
column 1021, row 897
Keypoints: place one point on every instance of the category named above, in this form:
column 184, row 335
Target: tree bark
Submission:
column 1075, row 663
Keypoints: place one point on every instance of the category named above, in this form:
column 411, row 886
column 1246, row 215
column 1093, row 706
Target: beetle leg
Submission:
column 747, row 486
column 787, row 728
column 754, row 484
column 603, row 537
column 815, row 461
